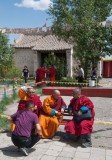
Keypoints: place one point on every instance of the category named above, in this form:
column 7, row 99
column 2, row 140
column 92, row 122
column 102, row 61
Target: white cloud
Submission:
column 35, row 4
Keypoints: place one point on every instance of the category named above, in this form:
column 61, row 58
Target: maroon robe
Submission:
column 35, row 99
column 85, row 126
column 58, row 104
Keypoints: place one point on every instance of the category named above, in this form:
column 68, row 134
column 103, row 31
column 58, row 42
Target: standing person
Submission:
column 37, row 75
column 22, row 136
column 52, row 75
column 42, row 73
column 79, row 105
column 53, row 109
column 94, row 73
column 80, row 74
column 25, row 73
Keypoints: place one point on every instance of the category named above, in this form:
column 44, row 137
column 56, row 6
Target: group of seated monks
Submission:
column 50, row 114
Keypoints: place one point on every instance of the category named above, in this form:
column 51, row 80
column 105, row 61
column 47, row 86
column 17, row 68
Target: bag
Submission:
column 85, row 116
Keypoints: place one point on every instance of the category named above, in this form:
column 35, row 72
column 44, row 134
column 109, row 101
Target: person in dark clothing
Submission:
column 94, row 73
column 27, row 130
column 80, row 74
column 25, row 73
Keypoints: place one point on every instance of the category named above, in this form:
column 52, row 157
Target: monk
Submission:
column 37, row 75
column 53, row 109
column 80, row 104
column 27, row 94
column 41, row 75
column 52, row 75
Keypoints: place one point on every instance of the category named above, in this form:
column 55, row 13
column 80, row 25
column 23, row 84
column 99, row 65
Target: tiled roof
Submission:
column 41, row 43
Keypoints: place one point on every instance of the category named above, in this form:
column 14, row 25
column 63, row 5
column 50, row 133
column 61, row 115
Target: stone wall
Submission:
column 24, row 57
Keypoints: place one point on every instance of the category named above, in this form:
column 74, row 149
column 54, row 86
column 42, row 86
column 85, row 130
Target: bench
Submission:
column 66, row 117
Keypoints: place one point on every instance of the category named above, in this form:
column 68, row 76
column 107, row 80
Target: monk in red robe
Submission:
column 41, row 72
column 31, row 96
column 80, row 103
column 37, row 75
column 27, row 94
column 52, row 75
column 53, row 109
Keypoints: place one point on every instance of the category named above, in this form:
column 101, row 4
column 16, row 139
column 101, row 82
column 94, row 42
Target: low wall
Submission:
column 88, row 91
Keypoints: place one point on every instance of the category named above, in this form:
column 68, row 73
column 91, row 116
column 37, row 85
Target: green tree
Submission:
column 6, row 55
column 59, row 64
column 79, row 22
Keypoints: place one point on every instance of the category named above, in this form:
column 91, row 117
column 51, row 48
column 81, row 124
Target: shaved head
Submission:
column 76, row 93
column 56, row 94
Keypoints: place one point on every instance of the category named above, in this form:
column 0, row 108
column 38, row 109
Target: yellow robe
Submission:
column 49, row 124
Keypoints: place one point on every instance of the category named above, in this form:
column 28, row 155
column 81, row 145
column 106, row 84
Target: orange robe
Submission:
column 48, row 121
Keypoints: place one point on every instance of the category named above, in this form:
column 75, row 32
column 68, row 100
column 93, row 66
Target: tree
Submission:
column 6, row 55
column 79, row 22
column 59, row 63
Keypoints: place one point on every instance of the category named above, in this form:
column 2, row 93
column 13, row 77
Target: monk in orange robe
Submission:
column 53, row 109
column 52, row 75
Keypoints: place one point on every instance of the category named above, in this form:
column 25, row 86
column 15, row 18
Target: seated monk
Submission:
column 53, row 109
column 28, row 94
column 83, row 129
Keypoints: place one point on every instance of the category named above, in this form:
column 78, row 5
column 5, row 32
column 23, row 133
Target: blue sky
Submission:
column 24, row 13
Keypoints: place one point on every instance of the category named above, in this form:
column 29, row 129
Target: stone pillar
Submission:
column 37, row 60
column 100, row 67
column 69, row 59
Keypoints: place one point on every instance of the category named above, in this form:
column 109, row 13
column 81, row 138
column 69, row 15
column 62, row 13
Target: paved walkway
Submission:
column 53, row 150
column 60, row 149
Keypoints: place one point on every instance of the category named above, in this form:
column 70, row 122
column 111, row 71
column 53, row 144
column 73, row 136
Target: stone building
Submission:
column 31, row 50
column 34, row 45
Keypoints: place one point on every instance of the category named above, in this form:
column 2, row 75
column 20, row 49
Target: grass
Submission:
column 6, row 101
column 4, row 124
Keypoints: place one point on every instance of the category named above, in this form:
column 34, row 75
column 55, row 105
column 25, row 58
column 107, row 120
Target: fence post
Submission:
column 5, row 94
column 8, row 83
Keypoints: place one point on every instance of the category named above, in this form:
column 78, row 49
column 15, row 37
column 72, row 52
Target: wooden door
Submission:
column 107, row 69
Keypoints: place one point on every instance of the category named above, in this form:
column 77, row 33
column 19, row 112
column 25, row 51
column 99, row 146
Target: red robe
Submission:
column 52, row 74
column 37, row 75
column 36, row 100
column 42, row 72
column 85, row 126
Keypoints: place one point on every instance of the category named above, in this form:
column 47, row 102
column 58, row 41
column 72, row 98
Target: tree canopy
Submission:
column 6, row 55
column 79, row 22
